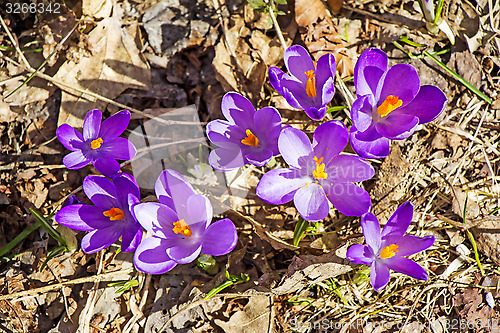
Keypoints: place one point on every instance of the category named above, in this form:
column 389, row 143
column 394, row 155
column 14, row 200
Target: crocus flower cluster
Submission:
column 109, row 218
column 308, row 87
column 100, row 144
column 180, row 227
column 390, row 104
column 387, row 249
column 179, row 224
column 317, row 172
column 248, row 136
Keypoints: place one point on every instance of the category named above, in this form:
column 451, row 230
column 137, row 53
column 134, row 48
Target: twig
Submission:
column 276, row 25
column 14, row 42
column 55, row 286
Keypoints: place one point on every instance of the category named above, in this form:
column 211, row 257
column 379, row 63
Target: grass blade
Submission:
column 300, row 229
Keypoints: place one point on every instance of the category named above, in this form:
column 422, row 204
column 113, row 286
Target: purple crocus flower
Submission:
column 308, row 87
column 387, row 249
column 100, row 144
column 180, row 227
column 111, row 216
column 248, row 136
column 318, row 172
column 390, row 104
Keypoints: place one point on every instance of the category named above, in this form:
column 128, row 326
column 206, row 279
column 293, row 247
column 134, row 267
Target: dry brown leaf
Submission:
column 254, row 318
column 321, row 34
column 308, row 12
column 114, row 66
column 306, row 270
column 97, row 8
column 488, row 238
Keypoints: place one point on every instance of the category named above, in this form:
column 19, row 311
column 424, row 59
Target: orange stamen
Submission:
column 389, row 251
column 114, row 214
column 319, row 172
column 311, row 83
column 250, row 140
column 181, row 227
column 96, row 143
column 390, row 104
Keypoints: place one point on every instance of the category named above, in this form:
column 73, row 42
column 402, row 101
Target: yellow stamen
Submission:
column 389, row 251
column 96, row 143
column 311, row 83
column 181, row 227
column 114, row 214
column 250, row 140
column 318, row 160
column 319, row 172
column 390, row 104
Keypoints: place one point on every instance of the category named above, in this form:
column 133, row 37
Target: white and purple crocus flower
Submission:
column 318, row 174
column 100, row 144
column 390, row 104
column 248, row 136
column 307, row 87
column 180, row 227
column 110, row 217
column 387, row 249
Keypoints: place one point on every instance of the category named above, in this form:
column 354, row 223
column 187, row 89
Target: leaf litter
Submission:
column 125, row 51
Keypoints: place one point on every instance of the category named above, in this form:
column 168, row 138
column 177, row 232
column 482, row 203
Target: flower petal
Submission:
column 222, row 159
column 115, row 125
column 102, row 192
column 157, row 219
column 220, row 238
column 399, row 221
column 293, row 145
column 407, row 266
column 184, row 251
column 259, row 157
column 397, row 126
column 173, row 191
column 298, row 61
column 325, row 77
column 349, row 199
column 69, row 137
column 126, row 184
column 75, row 160
column 372, row 63
column 267, row 126
column 200, row 212
column 371, row 231
column 92, row 124
column 316, row 113
column 151, row 256
column 106, row 166
column 360, row 254
column 311, row 202
column 82, row 217
column 369, row 144
column 391, row 84
column 427, row 105
column 100, row 239
column 291, row 89
column 238, row 110
column 409, row 244
column 118, row 148
column 361, row 112
column 379, row 275
column 329, row 139
column 131, row 237
column 278, row 186
column 349, row 169
column 224, row 135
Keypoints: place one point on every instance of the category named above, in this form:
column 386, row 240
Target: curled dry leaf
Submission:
column 115, row 65
column 321, row 35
